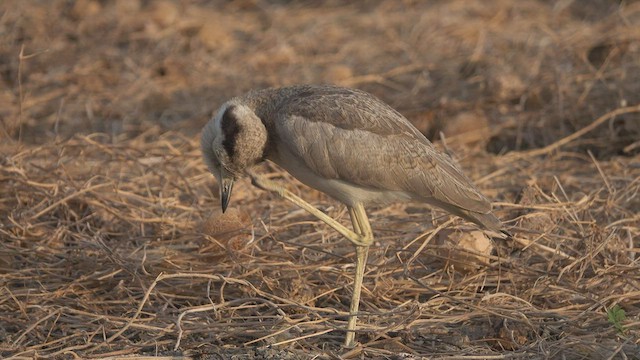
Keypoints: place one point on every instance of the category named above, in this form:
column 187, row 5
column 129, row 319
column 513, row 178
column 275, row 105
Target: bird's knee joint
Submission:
column 364, row 240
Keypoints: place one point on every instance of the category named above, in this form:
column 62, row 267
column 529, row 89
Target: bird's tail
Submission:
column 485, row 220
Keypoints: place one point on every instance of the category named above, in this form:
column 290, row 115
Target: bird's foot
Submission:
column 267, row 185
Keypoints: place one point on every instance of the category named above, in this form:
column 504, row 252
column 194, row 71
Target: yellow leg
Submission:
column 269, row 185
column 361, row 237
column 363, row 228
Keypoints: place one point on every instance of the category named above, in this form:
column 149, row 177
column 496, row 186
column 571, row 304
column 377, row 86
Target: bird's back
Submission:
column 343, row 108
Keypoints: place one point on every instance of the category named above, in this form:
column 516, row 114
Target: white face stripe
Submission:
column 211, row 141
column 217, row 120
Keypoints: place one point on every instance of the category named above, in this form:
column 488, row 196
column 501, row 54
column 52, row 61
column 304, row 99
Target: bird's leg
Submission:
column 272, row 186
column 361, row 237
column 363, row 228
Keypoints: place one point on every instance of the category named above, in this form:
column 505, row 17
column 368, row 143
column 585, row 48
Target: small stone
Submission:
column 466, row 251
column 339, row 74
column 85, row 8
column 164, row 13
column 469, row 128
column 231, row 229
column 215, row 37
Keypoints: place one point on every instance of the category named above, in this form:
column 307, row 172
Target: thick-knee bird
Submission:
column 345, row 143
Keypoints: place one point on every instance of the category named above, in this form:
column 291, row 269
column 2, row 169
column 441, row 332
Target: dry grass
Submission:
column 106, row 240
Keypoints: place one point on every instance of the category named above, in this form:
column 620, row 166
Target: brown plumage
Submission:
column 353, row 147
column 345, row 143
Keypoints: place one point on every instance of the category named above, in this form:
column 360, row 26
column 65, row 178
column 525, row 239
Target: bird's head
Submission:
column 233, row 141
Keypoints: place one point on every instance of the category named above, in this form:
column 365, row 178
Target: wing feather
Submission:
column 385, row 161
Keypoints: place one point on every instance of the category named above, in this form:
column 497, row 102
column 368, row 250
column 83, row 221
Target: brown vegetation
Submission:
column 110, row 239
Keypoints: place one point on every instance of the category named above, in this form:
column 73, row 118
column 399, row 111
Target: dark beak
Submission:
column 226, row 185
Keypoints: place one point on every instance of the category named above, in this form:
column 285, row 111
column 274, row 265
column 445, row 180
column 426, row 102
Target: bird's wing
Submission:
column 338, row 140
column 346, row 109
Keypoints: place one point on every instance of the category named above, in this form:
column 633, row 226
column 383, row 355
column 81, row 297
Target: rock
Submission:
column 165, row 13
column 469, row 128
column 231, row 229
column 85, row 8
column 466, row 251
column 338, row 74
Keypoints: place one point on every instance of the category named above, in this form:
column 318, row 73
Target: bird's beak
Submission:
column 226, row 185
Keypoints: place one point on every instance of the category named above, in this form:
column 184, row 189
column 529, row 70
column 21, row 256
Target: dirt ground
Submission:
column 111, row 241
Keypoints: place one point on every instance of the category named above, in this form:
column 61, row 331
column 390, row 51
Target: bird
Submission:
column 345, row 143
